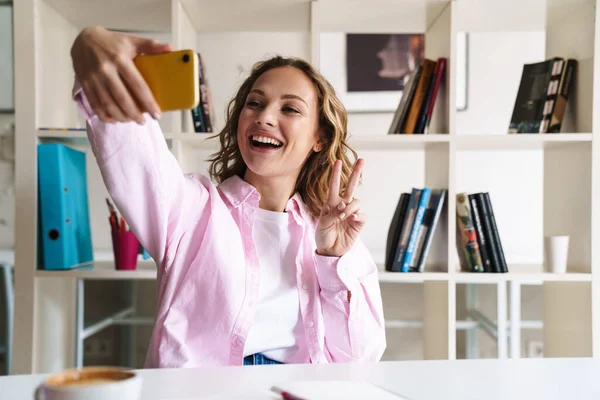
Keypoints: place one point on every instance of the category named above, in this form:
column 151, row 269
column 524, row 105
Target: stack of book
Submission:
column 203, row 116
column 542, row 97
column 412, row 228
column 477, row 239
column 418, row 98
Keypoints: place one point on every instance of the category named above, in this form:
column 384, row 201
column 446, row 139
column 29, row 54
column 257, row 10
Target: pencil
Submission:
column 285, row 395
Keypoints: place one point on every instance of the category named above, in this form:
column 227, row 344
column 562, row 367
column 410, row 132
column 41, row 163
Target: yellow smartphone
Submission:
column 172, row 78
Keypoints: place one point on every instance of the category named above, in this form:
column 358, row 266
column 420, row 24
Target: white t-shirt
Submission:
column 277, row 323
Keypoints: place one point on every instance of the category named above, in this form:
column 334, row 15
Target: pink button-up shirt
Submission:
column 200, row 236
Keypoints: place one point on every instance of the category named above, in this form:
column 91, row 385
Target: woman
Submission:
column 266, row 264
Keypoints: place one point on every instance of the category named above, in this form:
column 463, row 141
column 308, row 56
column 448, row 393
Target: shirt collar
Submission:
column 297, row 206
column 237, row 191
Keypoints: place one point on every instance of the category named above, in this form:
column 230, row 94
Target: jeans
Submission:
column 259, row 359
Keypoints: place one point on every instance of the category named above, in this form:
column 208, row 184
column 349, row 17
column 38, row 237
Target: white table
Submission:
column 418, row 380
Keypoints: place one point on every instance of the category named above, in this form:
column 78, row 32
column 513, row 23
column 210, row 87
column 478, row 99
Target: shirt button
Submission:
column 304, row 286
column 311, row 324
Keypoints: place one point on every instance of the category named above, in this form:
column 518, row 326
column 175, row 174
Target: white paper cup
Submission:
column 556, row 249
column 91, row 383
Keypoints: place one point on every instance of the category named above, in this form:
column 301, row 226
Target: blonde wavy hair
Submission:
column 313, row 181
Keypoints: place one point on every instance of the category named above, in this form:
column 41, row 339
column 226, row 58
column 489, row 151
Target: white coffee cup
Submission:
column 556, row 249
column 91, row 383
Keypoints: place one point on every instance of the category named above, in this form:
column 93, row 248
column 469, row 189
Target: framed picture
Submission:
column 6, row 59
column 369, row 71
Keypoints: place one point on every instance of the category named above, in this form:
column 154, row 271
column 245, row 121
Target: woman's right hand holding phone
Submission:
column 103, row 64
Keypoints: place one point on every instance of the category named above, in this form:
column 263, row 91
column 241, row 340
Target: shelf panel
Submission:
column 104, row 269
column 199, row 141
column 397, row 142
column 378, row 16
column 520, row 141
column 525, row 273
column 410, row 277
column 363, row 142
column 61, row 134
column 533, row 278
column 76, row 134
column 150, row 15
column 244, row 15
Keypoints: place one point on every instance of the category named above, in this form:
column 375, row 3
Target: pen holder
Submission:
column 125, row 249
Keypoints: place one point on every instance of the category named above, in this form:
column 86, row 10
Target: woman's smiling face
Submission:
column 278, row 127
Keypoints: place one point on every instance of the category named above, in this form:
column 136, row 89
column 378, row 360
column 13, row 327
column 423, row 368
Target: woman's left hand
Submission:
column 340, row 221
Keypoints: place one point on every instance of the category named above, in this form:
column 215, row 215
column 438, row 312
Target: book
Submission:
column 557, row 69
column 203, row 117
column 482, row 235
column 419, row 96
column 430, row 222
column 208, row 114
column 494, row 232
column 493, row 251
column 467, row 238
column 403, row 106
column 531, row 97
column 407, row 224
column 412, row 242
column 394, row 231
column 429, row 103
column 565, row 87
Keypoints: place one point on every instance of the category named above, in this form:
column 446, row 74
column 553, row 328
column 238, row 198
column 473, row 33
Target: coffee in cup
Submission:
column 91, row 383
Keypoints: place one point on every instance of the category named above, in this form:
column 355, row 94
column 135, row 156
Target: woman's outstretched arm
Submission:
column 141, row 174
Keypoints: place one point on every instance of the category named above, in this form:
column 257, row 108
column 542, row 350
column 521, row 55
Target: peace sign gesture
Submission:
column 340, row 221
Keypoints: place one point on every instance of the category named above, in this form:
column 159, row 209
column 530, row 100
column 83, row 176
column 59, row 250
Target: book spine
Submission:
column 565, row 87
column 412, row 87
column 487, row 229
column 395, row 230
column 440, row 198
column 419, row 96
column 411, row 211
column 551, row 94
column 197, row 119
column 423, row 229
column 468, row 235
column 410, row 250
column 436, row 88
column 422, row 118
column 495, row 234
column 482, row 238
column 204, row 105
column 406, row 96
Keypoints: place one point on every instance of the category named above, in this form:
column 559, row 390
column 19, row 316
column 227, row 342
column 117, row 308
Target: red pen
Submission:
column 113, row 223
column 289, row 396
column 285, row 395
column 123, row 225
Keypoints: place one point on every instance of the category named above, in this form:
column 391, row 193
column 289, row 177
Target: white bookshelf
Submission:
column 566, row 175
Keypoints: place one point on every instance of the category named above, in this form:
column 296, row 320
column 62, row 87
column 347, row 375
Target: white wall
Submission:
column 495, row 64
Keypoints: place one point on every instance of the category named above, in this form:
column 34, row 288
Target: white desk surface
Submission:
column 417, row 380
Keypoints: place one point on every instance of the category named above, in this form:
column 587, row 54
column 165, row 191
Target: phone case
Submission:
column 172, row 78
